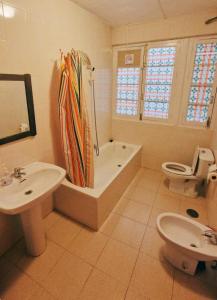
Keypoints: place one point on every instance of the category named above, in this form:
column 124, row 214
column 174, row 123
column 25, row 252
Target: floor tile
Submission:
column 5, row 267
column 108, row 227
column 152, row 278
column 101, row 286
column 41, row 294
column 51, row 219
column 117, row 260
column 130, row 190
column 63, row 231
column 201, row 201
column 152, row 243
column 184, row 205
column 15, row 285
column 88, row 245
column 152, row 221
column 121, row 205
column 150, row 183
column 67, row 278
column 16, row 252
column 134, row 294
column 39, row 267
column 143, row 195
column 129, row 232
column 168, row 203
column 164, row 189
column 137, row 212
column 190, row 287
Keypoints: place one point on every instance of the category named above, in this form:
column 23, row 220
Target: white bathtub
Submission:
column 115, row 168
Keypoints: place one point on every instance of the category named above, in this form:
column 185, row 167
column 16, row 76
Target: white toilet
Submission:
column 187, row 241
column 184, row 179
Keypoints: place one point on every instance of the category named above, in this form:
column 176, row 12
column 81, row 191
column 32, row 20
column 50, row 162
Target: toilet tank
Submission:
column 206, row 159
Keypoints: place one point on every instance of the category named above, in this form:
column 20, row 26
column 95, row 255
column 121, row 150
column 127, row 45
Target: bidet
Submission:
column 187, row 242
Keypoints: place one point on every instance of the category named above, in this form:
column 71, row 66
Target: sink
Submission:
column 24, row 197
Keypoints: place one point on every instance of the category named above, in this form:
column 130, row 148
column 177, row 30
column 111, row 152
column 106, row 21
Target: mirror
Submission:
column 17, row 118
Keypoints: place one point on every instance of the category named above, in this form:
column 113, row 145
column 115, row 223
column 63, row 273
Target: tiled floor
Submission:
column 122, row 261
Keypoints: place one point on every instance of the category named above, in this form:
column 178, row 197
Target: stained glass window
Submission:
column 202, row 80
column 127, row 96
column 158, row 81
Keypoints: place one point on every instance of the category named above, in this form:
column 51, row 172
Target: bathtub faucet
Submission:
column 212, row 235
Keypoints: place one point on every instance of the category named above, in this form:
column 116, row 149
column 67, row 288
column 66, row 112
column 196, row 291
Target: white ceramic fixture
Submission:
column 184, row 179
column 187, row 241
column 23, row 196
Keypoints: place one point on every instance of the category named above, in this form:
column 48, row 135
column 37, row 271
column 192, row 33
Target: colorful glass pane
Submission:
column 129, row 92
column 156, row 110
column 200, row 95
column 202, row 79
column 126, row 107
column 159, row 75
column 203, row 74
column 206, row 54
column 157, row 93
column 197, row 113
column 128, row 75
column 161, row 56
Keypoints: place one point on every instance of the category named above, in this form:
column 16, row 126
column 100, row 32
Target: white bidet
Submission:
column 187, row 242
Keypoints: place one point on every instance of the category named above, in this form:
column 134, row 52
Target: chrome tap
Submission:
column 212, row 235
column 18, row 173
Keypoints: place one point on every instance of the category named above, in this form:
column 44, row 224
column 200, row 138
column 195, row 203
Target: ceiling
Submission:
column 121, row 12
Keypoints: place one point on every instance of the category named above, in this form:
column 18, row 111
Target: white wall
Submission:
column 163, row 142
column 29, row 43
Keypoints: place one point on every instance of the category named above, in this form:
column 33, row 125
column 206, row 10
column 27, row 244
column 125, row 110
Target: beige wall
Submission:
column 29, row 43
column 161, row 142
column 212, row 190
column 182, row 26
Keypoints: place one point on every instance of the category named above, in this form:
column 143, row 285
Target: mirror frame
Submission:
column 30, row 107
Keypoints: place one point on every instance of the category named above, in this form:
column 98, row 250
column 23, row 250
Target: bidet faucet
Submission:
column 212, row 235
column 18, row 173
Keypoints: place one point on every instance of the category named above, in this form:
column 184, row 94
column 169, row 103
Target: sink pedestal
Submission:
column 33, row 229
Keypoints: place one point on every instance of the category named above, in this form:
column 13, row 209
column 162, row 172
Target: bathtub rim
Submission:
column 97, row 192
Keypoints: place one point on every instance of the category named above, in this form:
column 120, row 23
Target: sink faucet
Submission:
column 212, row 235
column 18, row 173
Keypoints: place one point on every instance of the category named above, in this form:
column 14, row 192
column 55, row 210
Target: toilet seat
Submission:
column 177, row 169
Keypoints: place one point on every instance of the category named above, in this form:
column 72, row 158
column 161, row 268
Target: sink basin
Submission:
column 24, row 197
column 40, row 180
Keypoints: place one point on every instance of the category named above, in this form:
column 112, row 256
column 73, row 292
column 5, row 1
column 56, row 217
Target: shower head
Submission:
column 86, row 60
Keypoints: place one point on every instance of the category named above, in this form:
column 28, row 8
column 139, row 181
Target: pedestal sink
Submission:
column 24, row 197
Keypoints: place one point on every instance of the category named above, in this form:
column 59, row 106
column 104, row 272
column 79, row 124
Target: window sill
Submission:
column 156, row 123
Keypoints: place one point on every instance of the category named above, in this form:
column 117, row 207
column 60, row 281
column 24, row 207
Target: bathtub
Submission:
column 114, row 169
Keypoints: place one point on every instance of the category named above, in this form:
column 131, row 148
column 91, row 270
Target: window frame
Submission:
column 171, row 117
column 188, row 83
column 182, row 78
column 114, row 83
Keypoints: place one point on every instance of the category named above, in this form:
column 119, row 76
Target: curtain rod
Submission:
column 140, row 43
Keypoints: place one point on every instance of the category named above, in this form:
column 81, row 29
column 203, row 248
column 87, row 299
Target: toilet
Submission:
column 186, row 245
column 184, row 179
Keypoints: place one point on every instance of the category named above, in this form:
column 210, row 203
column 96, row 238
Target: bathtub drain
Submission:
column 119, row 165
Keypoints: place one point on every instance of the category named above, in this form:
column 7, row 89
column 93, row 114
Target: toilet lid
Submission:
column 177, row 168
